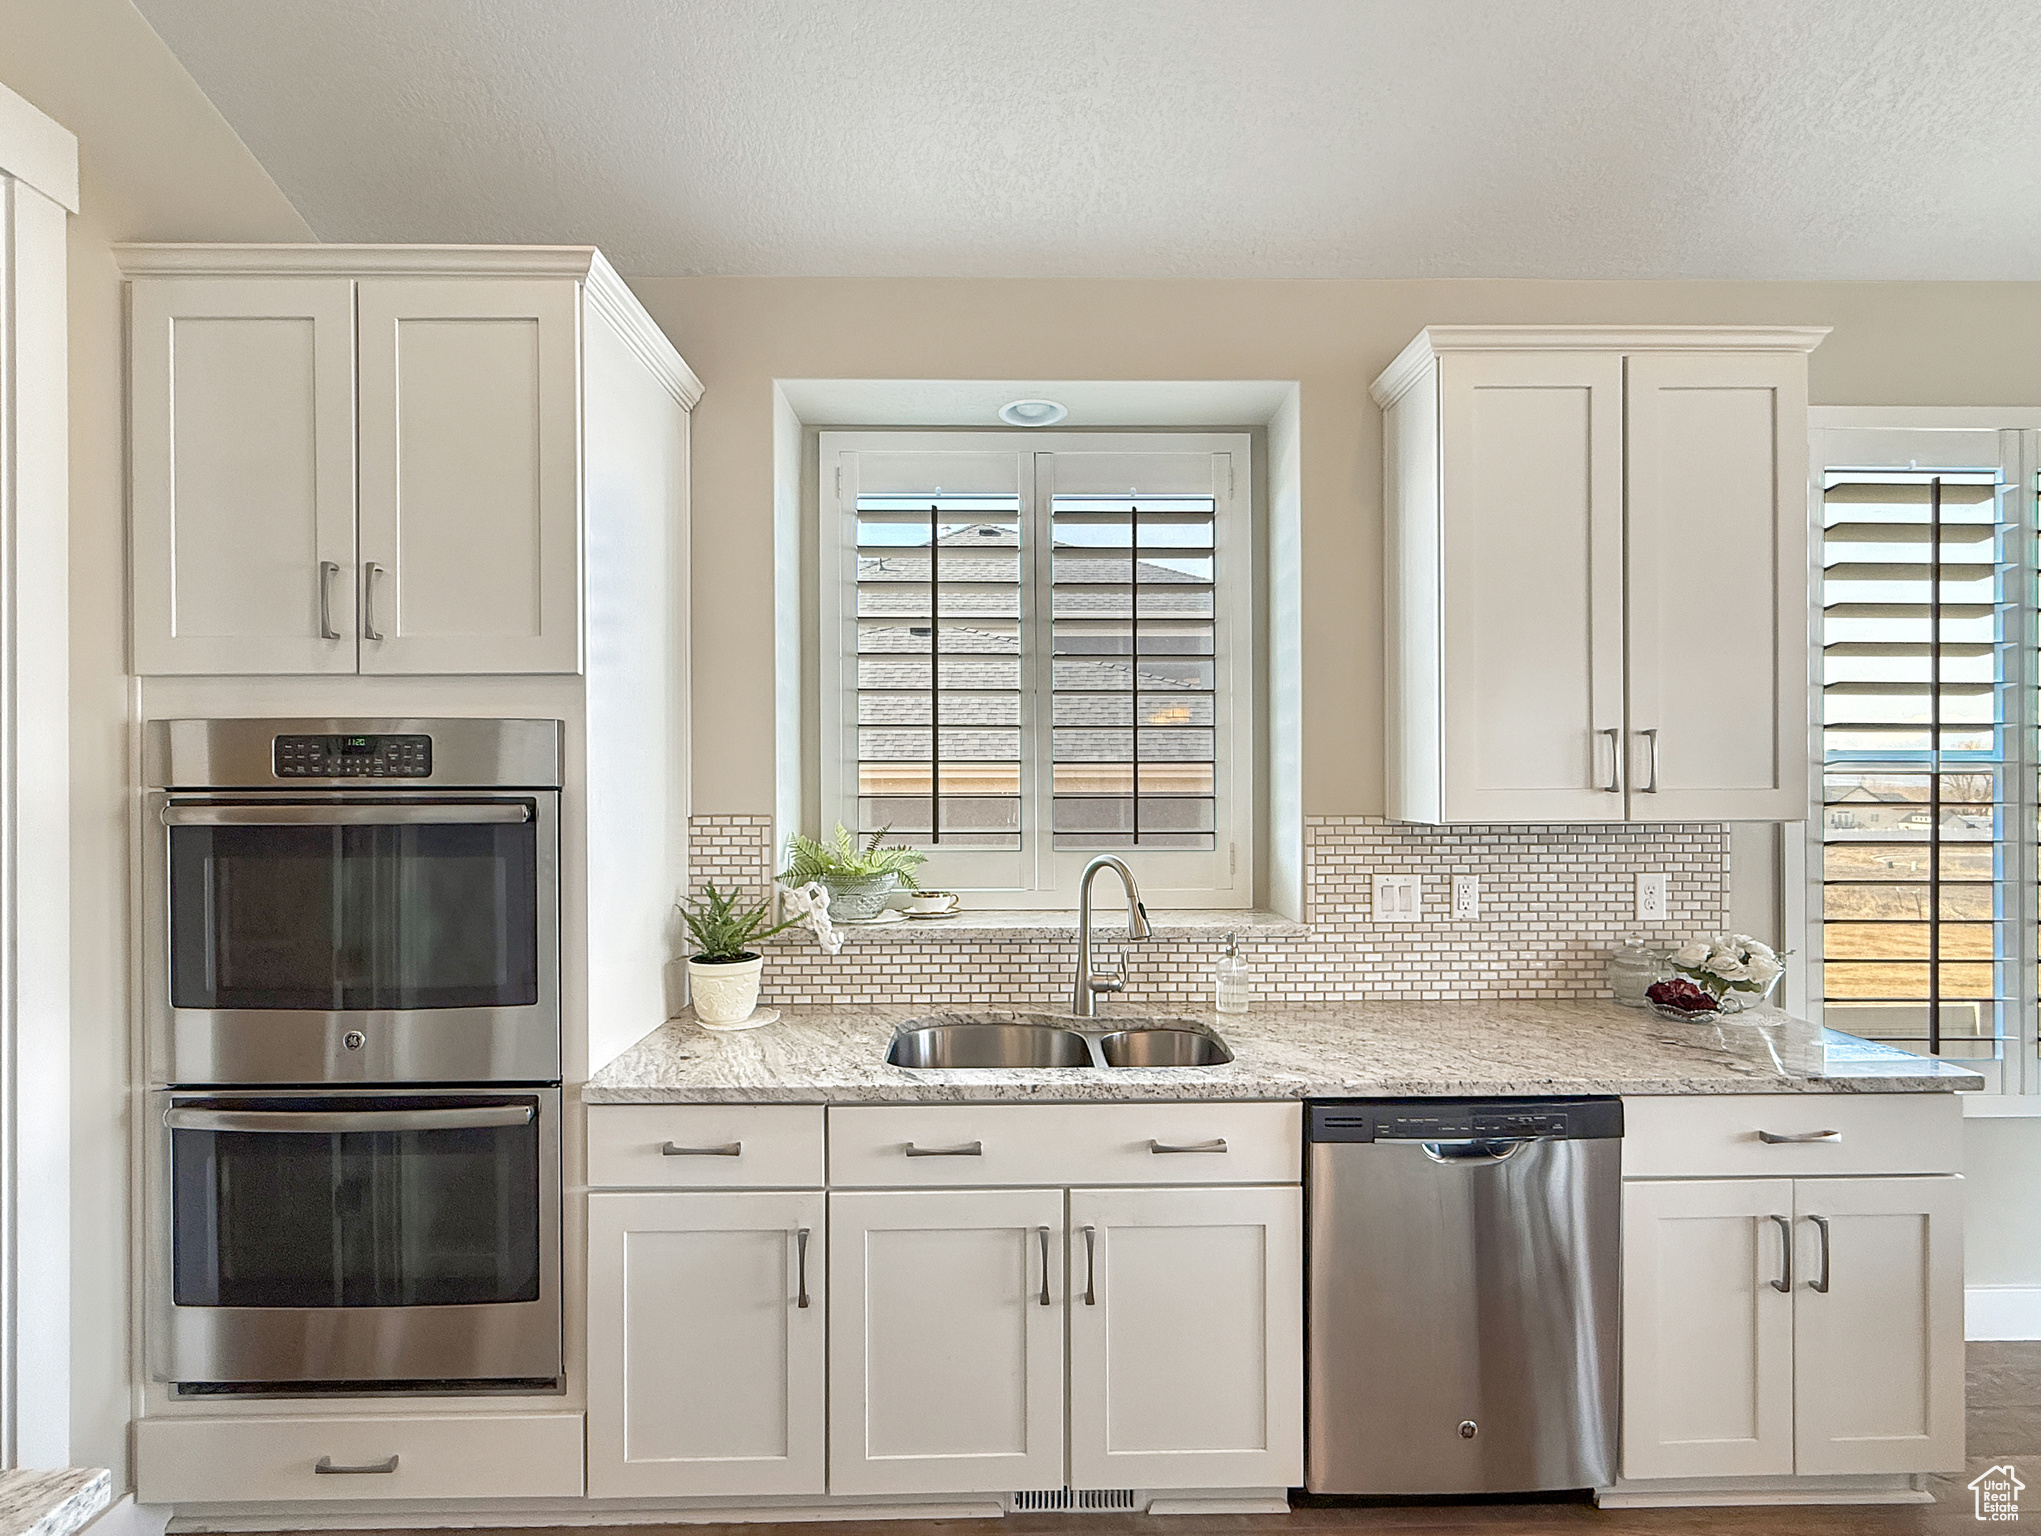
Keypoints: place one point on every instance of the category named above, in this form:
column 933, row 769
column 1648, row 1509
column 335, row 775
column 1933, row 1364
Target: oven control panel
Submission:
column 353, row 757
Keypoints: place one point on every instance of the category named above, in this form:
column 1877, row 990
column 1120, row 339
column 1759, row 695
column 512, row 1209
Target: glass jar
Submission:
column 1633, row 968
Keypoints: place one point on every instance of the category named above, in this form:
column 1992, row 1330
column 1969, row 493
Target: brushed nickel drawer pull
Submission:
column 325, row 1467
column 1216, row 1144
column 1043, row 1233
column 1821, row 1285
column 327, row 571
column 1615, row 735
column 1090, row 1267
column 1651, row 741
column 728, row 1149
column 1793, row 1138
column 964, row 1149
column 801, row 1254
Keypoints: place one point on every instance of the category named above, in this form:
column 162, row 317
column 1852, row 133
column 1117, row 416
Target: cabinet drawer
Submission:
column 686, row 1146
column 1711, row 1136
column 455, row 1456
column 928, row 1145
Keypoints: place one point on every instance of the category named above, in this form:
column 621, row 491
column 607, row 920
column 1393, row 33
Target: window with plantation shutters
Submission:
column 1923, row 602
column 1037, row 648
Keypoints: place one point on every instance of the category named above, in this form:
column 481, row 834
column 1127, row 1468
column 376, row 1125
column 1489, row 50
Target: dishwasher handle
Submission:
column 1477, row 1149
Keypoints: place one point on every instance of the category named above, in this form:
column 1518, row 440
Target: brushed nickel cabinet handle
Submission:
column 327, row 571
column 368, row 602
column 1216, row 1144
column 801, row 1260
column 728, row 1149
column 1043, row 1233
column 1785, row 1280
column 1651, row 757
column 326, row 1467
column 1798, row 1138
column 1090, row 1268
column 1615, row 735
column 1821, row 1284
column 966, row 1149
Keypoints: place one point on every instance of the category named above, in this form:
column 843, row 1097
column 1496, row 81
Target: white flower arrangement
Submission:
column 1729, row 962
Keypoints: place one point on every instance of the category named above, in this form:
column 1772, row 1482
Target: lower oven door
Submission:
column 356, row 1240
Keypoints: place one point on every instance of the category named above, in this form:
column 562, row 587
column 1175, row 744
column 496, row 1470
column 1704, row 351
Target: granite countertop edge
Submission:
column 1504, row 1049
column 53, row 1503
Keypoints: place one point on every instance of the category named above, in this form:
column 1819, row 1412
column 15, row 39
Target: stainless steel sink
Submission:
column 1000, row 1044
column 1050, row 1040
column 1165, row 1047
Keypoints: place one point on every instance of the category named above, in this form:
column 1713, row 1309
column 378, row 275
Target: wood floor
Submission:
column 2004, row 1425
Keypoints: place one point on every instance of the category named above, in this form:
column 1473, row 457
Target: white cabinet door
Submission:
column 470, row 476
column 1186, row 1338
column 706, row 1347
column 1707, row 1330
column 946, row 1341
column 1531, row 570
column 1718, row 586
column 1878, row 1352
column 241, row 449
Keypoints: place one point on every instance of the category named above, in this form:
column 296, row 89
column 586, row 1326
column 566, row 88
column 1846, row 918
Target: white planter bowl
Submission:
column 725, row 992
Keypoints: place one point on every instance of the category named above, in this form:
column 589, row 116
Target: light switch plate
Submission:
column 1651, row 898
column 1466, row 898
column 1399, row 899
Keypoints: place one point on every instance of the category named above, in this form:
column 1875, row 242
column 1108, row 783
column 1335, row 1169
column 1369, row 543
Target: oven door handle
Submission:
column 175, row 815
column 327, row 1122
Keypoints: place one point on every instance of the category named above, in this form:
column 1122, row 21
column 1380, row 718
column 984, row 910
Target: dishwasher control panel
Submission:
column 1465, row 1119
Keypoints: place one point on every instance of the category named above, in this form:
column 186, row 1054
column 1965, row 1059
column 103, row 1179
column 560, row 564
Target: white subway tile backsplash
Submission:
column 1554, row 902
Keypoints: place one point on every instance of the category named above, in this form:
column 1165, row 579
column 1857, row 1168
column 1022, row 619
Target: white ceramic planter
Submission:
column 725, row 992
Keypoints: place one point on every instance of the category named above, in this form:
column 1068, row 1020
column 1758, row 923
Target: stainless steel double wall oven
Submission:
column 352, row 994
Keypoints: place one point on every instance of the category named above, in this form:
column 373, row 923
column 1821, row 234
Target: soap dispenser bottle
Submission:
column 1230, row 979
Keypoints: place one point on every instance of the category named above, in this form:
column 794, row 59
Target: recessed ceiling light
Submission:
column 1032, row 413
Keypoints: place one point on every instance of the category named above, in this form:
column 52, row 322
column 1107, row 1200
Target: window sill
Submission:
column 1109, row 921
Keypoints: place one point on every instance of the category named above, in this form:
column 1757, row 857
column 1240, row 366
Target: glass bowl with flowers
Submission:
column 1718, row 976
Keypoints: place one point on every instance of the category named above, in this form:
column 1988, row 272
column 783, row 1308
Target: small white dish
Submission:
column 890, row 915
column 756, row 1018
column 935, row 917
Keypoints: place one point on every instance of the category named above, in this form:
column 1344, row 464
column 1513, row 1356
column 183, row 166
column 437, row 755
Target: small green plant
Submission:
column 842, row 859
column 722, row 931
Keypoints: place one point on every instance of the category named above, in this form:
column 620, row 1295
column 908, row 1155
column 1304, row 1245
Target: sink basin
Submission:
column 989, row 1045
column 1052, row 1040
column 1163, row 1048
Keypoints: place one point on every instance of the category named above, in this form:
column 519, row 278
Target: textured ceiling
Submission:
column 1155, row 138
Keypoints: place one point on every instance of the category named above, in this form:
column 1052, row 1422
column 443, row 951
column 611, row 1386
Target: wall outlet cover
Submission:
column 1651, row 898
column 1466, row 898
column 1399, row 899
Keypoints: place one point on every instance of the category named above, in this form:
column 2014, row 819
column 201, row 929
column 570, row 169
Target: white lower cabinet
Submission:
column 1776, row 1327
column 1186, row 1338
column 946, row 1341
column 706, row 1343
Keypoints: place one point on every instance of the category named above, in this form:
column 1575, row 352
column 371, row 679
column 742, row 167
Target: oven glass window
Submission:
column 385, row 1218
column 342, row 918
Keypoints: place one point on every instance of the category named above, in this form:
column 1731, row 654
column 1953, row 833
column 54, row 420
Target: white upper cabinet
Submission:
column 371, row 458
column 1596, row 574
column 243, row 465
column 470, row 476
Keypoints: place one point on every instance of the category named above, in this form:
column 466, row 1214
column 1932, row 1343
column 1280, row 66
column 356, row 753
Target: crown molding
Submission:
column 607, row 294
column 1413, row 361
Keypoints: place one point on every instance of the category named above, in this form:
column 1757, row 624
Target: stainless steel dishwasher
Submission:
column 1462, row 1301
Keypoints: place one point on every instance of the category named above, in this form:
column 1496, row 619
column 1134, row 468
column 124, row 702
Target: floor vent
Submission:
column 1073, row 1498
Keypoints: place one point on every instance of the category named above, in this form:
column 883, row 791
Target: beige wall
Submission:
column 156, row 161
column 1894, row 344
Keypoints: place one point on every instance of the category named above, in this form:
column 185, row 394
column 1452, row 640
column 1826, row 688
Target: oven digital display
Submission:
column 353, row 757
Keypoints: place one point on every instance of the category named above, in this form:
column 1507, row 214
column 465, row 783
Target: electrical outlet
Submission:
column 1466, row 898
column 1651, row 898
column 1399, row 899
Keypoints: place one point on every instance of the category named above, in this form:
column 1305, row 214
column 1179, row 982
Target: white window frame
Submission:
column 1852, row 435
column 1038, row 876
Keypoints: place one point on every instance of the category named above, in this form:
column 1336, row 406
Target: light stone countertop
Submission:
column 1345, row 1050
column 52, row 1503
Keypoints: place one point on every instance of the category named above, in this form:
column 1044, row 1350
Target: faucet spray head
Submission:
column 1137, row 919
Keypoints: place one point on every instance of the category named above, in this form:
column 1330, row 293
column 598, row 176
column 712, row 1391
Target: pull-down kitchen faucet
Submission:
column 1084, row 995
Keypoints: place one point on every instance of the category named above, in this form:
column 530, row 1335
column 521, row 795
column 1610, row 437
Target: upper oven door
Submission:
column 341, row 937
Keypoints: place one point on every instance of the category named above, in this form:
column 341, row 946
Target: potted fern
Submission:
column 858, row 878
column 723, row 973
